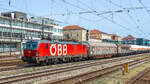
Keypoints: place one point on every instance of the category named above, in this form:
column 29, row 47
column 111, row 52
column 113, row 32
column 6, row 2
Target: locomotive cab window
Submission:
column 46, row 45
column 31, row 45
column 83, row 47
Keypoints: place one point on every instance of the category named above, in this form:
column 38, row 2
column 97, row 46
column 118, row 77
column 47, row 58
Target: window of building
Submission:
column 26, row 24
column 7, row 22
column 60, row 31
column 71, row 35
column 18, row 23
column 50, row 28
column 77, row 36
column 30, row 25
column 38, row 26
column 1, row 21
column 0, row 33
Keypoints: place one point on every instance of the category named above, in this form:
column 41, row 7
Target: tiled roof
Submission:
column 95, row 31
column 129, row 37
column 73, row 27
column 114, row 35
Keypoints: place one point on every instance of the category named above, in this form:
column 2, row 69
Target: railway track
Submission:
column 10, row 68
column 142, row 78
column 7, row 56
column 27, row 76
column 8, row 60
column 15, row 66
column 85, row 77
column 11, row 62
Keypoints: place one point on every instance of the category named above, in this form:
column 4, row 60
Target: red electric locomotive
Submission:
column 47, row 52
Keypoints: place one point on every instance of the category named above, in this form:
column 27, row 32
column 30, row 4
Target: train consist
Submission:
column 47, row 52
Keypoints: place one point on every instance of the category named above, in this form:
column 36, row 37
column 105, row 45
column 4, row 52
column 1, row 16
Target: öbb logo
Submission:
column 58, row 49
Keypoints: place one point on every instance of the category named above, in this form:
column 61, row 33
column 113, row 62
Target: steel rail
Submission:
column 18, row 67
column 139, row 76
column 79, row 79
column 26, row 76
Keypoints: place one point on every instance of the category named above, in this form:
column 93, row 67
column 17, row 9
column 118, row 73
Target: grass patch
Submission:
column 101, row 82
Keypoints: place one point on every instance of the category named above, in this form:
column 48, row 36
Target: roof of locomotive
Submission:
column 60, row 42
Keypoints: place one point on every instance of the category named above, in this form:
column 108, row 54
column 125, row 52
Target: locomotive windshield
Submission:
column 31, row 45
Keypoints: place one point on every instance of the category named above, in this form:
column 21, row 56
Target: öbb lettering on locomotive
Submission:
column 58, row 49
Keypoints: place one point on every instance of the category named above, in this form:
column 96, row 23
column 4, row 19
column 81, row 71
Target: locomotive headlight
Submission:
column 36, row 54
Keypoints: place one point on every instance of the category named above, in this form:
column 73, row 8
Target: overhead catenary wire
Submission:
column 9, row 2
column 31, row 14
column 148, row 11
column 77, row 13
column 97, row 13
column 138, row 20
column 128, row 29
column 27, row 9
column 138, row 27
column 51, row 7
column 68, row 11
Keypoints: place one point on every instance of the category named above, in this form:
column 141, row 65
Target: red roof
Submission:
column 129, row 37
column 95, row 31
column 114, row 35
column 73, row 27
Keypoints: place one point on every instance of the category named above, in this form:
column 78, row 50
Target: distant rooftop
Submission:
column 73, row 27
column 15, row 14
column 94, row 31
column 129, row 37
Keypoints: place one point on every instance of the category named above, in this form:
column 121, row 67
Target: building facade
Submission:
column 42, row 19
column 75, row 32
column 16, row 31
column 95, row 34
column 106, row 36
column 114, row 37
column 129, row 40
column 15, row 15
column 142, row 41
column 99, row 35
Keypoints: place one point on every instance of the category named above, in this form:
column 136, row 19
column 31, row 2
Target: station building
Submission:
column 16, row 29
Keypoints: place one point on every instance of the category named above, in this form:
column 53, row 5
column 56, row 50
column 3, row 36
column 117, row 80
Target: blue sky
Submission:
column 81, row 12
